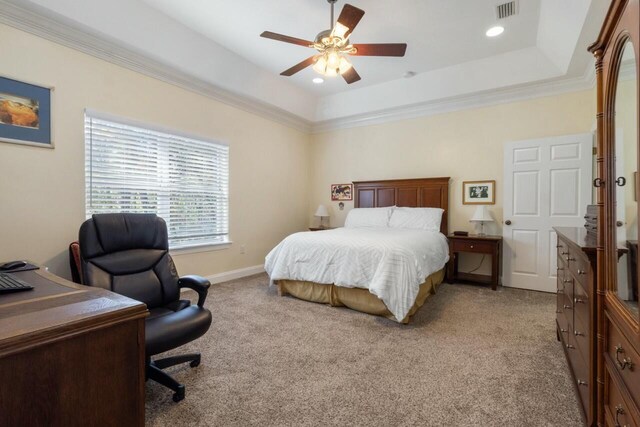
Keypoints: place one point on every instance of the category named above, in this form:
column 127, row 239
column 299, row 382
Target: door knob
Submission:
column 619, row 223
column 621, row 181
column 508, row 222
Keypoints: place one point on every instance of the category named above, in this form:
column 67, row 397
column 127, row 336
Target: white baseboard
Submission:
column 236, row 274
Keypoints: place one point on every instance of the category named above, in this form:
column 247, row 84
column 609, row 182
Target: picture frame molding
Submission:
column 492, row 200
column 51, row 89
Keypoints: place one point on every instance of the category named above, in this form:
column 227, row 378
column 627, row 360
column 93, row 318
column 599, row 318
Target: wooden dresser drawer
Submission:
column 618, row 410
column 624, row 359
column 580, row 370
column 579, row 266
column 567, row 284
column 581, row 304
column 563, row 249
column 471, row 246
column 581, row 334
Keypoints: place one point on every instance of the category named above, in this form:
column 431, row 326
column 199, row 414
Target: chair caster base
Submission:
column 155, row 372
column 179, row 394
column 195, row 363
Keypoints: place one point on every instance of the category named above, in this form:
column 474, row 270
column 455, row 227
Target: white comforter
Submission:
column 390, row 262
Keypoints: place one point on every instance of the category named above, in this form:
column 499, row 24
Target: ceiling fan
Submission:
column 333, row 45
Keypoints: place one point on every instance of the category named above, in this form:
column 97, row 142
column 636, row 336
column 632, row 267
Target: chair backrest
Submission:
column 129, row 254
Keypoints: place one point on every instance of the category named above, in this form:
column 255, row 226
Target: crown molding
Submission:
column 465, row 102
column 39, row 22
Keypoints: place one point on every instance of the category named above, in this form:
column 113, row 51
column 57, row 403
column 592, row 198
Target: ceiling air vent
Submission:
column 506, row 10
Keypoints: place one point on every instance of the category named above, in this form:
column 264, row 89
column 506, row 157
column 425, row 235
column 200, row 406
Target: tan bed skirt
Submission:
column 355, row 298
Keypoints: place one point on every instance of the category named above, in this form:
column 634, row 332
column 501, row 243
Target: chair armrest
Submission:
column 198, row 284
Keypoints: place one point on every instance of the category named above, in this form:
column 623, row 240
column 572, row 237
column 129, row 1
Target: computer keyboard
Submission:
column 8, row 283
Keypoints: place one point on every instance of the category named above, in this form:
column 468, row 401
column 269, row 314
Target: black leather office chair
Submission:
column 129, row 254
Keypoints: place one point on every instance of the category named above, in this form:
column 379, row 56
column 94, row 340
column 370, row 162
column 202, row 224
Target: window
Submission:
column 184, row 180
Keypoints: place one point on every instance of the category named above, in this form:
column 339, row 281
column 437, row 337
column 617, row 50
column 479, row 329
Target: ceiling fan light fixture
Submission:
column 334, row 47
column 321, row 65
column 333, row 59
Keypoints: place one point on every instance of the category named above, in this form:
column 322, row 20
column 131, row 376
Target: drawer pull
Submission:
column 578, row 334
column 619, row 411
column 567, row 280
column 581, row 271
column 566, row 307
column 471, row 246
column 560, row 291
column 578, row 301
column 570, row 259
column 570, row 347
column 559, row 268
column 558, row 311
column 583, row 383
column 564, row 253
column 564, row 331
column 626, row 362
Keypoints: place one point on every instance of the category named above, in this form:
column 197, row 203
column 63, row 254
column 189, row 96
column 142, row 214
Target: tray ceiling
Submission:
column 217, row 42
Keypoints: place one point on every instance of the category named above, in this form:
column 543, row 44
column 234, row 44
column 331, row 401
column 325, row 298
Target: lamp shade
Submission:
column 481, row 215
column 322, row 211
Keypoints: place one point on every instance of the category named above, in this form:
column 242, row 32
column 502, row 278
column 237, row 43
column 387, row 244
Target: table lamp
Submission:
column 481, row 215
column 322, row 212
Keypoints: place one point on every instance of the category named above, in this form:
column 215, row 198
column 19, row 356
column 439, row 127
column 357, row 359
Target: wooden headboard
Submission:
column 413, row 193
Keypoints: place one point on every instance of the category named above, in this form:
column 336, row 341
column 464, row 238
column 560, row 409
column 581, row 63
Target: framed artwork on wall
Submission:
column 341, row 192
column 25, row 113
column 479, row 193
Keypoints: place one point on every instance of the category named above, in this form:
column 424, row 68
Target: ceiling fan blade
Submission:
column 351, row 75
column 299, row 67
column 347, row 21
column 383, row 49
column 286, row 39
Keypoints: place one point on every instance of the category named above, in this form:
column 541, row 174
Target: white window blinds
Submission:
column 184, row 180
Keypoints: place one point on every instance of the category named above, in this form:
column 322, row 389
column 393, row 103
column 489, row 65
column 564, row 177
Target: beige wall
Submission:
column 278, row 175
column 42, row 190
column 465, row 145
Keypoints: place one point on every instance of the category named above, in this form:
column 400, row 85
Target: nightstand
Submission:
column 486, row 245
column 320, row 229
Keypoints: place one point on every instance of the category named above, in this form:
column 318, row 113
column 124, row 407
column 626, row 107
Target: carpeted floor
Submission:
column 471, row 357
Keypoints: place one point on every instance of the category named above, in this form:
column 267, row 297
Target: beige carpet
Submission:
column 471, row 357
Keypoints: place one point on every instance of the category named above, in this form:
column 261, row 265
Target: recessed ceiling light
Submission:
column 495, row 31
column 318, row 80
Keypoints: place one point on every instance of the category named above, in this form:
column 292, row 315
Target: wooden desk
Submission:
column 70, row 355
column 488, row 245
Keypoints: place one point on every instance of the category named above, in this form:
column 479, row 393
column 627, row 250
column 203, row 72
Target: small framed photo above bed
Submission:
column 25, row 113
column 479, row 193
column 341, row 192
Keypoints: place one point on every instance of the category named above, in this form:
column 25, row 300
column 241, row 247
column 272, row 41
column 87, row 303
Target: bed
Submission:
column 383, row 271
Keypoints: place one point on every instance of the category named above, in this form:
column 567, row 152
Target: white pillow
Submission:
column 417, row 218
column 368, row 217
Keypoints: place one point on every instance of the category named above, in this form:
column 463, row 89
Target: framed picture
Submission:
column 479, row 193
column 25, row 113
column 341, row 192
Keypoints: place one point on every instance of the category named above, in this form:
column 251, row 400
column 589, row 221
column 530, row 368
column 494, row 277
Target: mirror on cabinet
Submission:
column 626, row 165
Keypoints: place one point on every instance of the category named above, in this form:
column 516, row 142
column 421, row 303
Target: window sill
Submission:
column 201, row 248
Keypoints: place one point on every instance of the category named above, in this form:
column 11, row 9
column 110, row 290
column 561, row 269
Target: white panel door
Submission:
column 547, row 183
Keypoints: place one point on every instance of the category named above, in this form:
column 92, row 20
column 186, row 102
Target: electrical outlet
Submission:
column 243, row 249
